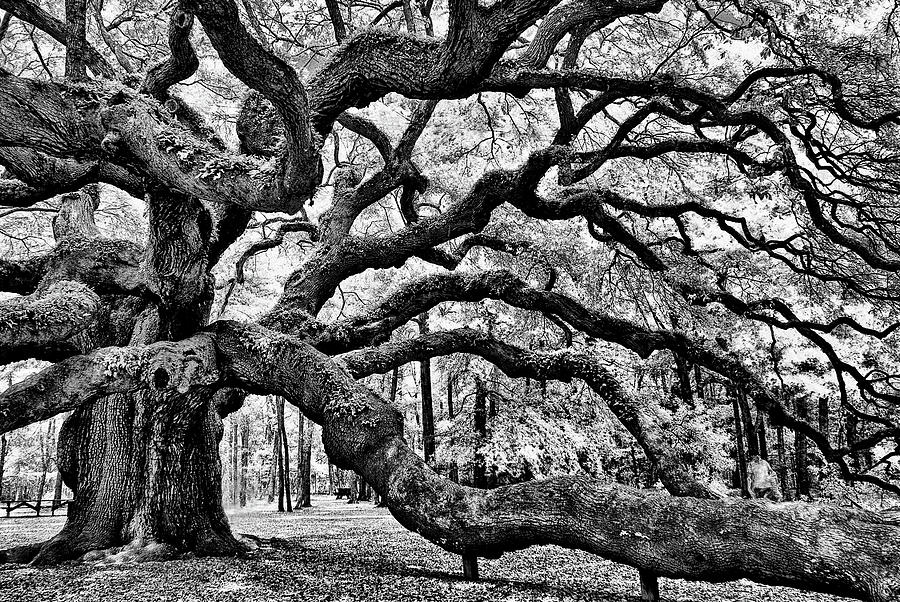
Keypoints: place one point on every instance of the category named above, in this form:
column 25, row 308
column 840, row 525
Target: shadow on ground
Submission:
column 338, row 552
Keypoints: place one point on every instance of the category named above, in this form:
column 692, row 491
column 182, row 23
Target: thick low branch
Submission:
column 645, row 423
column 78, row 380
column 421, row 295
column 137, row 134
column 40, row 176
column 21, row 276
column 823, row 548
column 106, row 265
column 46, row 326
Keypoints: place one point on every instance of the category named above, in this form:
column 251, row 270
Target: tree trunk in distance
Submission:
column 749, row 426
column 306, row 465
column 57, row 488
column 824, row 417
column 470, row 567
column 851, row 428
column 2, row 461
column 395, row 378
column 449, row 395
column 354, row 488
column 297, row 486
column 286, row 464
column 683, row 374
column 279, row 453
column 234, row 457
column 245, row 459
column 42, row 482
column 701, row 394
column 763, row 436
column 273, row 472
column 427, row 398
column 479, row 470
column 801, row 450
column 782, row 462
column 739, row 446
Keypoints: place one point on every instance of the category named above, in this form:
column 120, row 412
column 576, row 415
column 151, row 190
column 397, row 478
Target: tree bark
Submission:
column 427, row 399
column 2, row 461
column 450, row 413
column 234, row 456
column 824, row 417
column 305, row 466
column 479, row 469
column 146, row 480
column 285, row 469
column 801, row 450
column 76, row 46
column 813, row 547
column 279, row 452
column 749, row 426
column 245, row 459
column 740, row 458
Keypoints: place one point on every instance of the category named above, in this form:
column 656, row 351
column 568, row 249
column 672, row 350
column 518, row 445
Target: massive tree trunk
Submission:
column 144, row 466
column 145, row 472
column 820, row 548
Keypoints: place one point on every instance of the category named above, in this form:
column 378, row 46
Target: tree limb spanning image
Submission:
column 708, row 186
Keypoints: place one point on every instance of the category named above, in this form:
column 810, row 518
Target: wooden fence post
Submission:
column 649, row 587
column 470, row 567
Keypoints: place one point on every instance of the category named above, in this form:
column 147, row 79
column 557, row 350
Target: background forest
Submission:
column 532, row 428
column 542, row 249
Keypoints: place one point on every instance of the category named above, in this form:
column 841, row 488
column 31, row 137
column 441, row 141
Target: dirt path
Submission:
column 337, row 552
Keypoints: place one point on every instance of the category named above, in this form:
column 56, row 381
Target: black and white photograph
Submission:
column 449, row 300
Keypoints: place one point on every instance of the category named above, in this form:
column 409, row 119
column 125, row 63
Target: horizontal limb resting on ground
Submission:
column 819, row 548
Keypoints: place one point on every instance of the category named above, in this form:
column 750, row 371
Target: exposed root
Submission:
column 66, row 547
column 20, row 554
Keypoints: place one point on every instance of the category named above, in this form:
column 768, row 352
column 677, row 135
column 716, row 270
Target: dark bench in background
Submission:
column 35, row 506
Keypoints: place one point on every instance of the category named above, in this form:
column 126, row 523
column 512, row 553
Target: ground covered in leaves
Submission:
column 335, row 551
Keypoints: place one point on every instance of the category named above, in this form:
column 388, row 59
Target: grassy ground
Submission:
column 339, row 552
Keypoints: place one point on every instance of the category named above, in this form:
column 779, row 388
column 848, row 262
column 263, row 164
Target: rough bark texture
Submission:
column 645, row 422
column 145, row 473
column 2, row 461
column 819, row 548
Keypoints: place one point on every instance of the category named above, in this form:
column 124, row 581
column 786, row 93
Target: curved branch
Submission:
column 45, row 326
column 667, row 536
column 56, row 29
column 645, row 423
column 180, row 65
column 78, row 380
